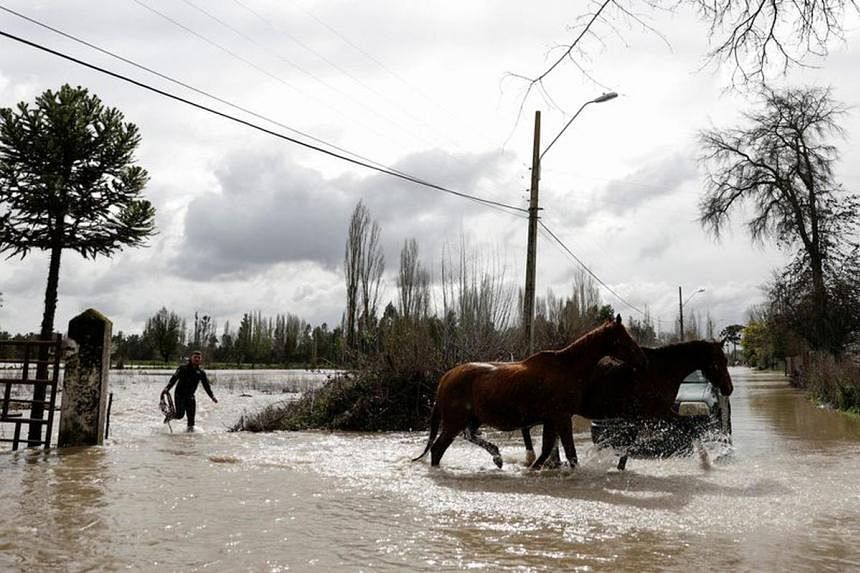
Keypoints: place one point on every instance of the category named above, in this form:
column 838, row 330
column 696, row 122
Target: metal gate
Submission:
column 17, row 359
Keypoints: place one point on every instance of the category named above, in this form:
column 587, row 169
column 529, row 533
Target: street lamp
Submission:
column 531, row 254
column 681, row 308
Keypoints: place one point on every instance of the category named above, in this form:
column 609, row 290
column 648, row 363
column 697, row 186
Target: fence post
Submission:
column 85, row 383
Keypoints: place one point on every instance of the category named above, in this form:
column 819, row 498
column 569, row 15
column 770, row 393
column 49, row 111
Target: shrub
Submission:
column 834, row 381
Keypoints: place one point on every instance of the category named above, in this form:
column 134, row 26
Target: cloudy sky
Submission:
column 248, row 221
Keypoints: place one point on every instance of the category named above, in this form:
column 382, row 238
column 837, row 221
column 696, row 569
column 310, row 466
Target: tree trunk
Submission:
column 46, row 333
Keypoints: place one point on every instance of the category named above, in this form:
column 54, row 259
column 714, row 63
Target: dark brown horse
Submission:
column 618, row 390
column 546, row 388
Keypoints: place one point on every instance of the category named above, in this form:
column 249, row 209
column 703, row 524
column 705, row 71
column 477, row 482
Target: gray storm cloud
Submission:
column 269, row 210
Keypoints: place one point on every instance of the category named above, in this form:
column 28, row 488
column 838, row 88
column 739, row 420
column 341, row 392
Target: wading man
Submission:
column 186, row 378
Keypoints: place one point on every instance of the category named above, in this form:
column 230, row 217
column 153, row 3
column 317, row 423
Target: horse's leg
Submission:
column 530, row 449
column 622, row 461
column 554, row 460
column 565, row 432
column 472, row 434
column 437, row 450
column 549, row 436
column 704, row 460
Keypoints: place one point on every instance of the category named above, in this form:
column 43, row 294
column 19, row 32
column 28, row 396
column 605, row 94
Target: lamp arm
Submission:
column 564, row 128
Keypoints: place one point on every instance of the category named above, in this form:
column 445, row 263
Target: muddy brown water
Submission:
column 785, row 496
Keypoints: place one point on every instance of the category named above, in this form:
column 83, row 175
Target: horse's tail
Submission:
column 435, row 417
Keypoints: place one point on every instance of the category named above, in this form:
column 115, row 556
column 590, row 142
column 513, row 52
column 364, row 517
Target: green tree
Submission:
column 164, row 332
column 756, row 344
column 254, row 339
column 732, row 333
column 68, row 181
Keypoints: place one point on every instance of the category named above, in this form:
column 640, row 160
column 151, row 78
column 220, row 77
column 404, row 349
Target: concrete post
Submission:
column 85, row 384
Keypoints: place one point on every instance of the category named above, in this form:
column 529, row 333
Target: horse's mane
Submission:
column 587, row 338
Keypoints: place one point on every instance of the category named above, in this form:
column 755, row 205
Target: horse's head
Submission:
column 716, row 368
column 622, row 346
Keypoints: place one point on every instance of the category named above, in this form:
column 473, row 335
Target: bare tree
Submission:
column 479, row 299
column 373, row 265
column 782, row 165
column 364, row 264
column 413, row 283
column 351, row 271
column 753, row 37
column 559, row 319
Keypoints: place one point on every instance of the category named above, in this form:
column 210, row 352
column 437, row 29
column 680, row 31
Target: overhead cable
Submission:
column 252, row 125
column 588, row 270
column 190, row 87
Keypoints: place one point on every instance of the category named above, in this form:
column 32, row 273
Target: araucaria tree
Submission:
column 781, row 164
column 68, row 181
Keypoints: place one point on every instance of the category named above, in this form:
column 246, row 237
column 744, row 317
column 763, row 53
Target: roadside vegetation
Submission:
column 395, row 361
column 781, row 164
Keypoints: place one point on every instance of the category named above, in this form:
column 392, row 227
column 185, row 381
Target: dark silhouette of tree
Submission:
column 413, row 283
column 781, row 165
column 68, row 181
column 363, row 266
column 164, row 332
column 732, row 333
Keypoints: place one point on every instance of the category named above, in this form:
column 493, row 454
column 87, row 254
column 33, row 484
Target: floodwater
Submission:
column 785, row 496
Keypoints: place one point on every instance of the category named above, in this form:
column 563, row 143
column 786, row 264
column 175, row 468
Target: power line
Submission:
column 251, row 64
column 246, row 123
column 192, row 88
column 457, row 117
column 588, row 270
column 554, row 238
column 296, row 66
column 340, row 69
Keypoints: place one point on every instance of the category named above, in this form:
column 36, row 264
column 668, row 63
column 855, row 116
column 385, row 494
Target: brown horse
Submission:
column 546, row 388
column 620, row 391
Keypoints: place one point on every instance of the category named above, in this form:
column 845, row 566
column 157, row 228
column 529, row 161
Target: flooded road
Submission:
column 784, row 497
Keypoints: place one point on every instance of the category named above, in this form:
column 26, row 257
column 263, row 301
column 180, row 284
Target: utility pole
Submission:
column 531, row 255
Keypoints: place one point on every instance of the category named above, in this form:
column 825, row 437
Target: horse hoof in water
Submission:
column 497, row 459
column 530, row 457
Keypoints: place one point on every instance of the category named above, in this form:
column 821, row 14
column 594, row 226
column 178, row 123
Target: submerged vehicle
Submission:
column 703, row 414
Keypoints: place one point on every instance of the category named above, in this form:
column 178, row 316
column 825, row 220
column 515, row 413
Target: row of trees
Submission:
column 473, row 309
column 280, row 340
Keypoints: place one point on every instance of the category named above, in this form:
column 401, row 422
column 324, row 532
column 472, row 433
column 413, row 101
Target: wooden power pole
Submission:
column 531, row 255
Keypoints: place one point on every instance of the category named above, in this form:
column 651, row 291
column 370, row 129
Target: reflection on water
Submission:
column 785, row 498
